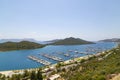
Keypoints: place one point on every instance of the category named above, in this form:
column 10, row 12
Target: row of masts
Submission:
column 44, row 62
column 53, row 57
column 34, row 58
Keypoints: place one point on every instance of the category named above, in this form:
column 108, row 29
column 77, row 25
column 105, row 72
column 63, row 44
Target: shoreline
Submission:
column 66, row 62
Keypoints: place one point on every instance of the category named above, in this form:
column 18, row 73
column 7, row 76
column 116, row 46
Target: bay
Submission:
column 18, row 59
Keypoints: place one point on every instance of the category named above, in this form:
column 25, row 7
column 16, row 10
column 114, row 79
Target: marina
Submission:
column 53, row 57
column 34, row 58
column 21, row 59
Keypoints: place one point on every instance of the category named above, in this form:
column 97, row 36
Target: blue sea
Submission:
column 18, row 59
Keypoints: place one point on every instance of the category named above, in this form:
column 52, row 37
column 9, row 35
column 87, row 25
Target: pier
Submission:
column 34, row 58
column 76, row 51
column 53, row 57
column 83, row 53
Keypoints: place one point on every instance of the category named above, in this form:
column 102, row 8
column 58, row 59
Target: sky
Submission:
column 55, row 19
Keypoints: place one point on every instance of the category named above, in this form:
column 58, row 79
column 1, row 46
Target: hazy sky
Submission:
column 50, row 19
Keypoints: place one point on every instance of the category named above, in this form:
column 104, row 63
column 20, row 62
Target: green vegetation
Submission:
column 19, row 46
column 27, row 75
column 71, row 41
column 7, row 46
column 96, row 69
column 111, row 40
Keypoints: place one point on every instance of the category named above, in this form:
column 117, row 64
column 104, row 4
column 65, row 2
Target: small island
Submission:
column 71, row 41
column 111, row 40
column 7, row 46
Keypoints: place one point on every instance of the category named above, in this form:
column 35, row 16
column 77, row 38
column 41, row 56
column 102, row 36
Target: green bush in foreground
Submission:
column 95, row 69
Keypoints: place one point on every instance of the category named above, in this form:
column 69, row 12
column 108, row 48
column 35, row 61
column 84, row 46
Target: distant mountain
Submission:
column 51, row 41
column 111, row 40
column 19, row 45
column 71, row 41
column 18, row 40
column 27, row 39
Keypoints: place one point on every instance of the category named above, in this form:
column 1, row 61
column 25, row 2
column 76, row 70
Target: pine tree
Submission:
column 33, row 76
column 39, row 75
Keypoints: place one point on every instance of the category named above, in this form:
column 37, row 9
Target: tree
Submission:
column 26, row 74
column 33, row 76
column 39, row 75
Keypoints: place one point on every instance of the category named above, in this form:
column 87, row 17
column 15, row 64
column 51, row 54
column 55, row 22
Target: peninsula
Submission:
column 7, row 46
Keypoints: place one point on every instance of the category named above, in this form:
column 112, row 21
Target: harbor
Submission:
column 34, row 58
column 63, row 52
column 56, row 56
column 53, row 57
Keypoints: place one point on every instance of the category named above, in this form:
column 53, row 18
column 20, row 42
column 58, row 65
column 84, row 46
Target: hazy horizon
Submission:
column 44, row 20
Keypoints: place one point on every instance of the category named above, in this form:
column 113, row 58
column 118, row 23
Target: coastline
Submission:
column 44, row 68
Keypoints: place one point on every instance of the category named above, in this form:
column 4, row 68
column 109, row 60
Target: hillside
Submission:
column 111, row 40
column 102, row 68
column 18, row 40
column 19, row 45
column 71, row 41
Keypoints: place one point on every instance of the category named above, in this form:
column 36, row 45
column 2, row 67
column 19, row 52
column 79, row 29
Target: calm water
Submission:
column 12, row 60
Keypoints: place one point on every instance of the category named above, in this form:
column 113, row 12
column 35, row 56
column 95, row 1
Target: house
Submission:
column 53, row 77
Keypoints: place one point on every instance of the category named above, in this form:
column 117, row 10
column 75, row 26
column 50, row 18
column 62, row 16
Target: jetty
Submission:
column 76, row 51
column 83, row 53
column 34, row 58
column 53, row 57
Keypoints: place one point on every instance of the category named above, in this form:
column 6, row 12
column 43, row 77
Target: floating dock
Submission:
column 83, row 53
column 53, row 57
column 34, row 58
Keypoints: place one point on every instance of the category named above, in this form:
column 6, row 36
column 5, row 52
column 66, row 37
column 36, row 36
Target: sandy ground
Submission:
column 7, row 73
column 116, row 77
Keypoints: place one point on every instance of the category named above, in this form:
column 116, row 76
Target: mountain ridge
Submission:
column 7, row 46
column 71, row 41
column 111, row 40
